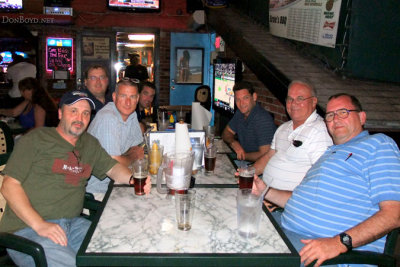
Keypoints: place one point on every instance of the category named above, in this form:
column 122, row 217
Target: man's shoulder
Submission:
column 261, row 112
column 108, row 112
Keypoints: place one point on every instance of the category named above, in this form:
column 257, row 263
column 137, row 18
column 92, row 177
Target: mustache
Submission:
column 79, row 123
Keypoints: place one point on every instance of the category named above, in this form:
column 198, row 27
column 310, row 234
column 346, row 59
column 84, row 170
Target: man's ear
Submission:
column 363, row 117
column 114, row 95
column 59, row 113
column 255, row 97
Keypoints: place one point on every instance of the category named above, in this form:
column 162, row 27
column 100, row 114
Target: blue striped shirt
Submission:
column 344, row 188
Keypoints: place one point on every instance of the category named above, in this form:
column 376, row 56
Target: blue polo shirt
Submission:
column 256, row 130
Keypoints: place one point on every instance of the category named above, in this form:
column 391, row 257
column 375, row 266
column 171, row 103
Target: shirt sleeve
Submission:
column 382, row 169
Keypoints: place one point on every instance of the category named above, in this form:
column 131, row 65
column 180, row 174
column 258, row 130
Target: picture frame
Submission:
column 189, row 65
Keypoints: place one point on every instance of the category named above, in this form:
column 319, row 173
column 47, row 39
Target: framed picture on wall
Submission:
column 189, row 65
column 96, row 48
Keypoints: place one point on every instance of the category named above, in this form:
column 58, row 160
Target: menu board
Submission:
column 311, row 21
column 59, row 54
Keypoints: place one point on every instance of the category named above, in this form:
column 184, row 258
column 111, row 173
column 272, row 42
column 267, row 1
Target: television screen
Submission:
column 225, row 75
column 135, row 5
column 7, row 56
column 11, row 5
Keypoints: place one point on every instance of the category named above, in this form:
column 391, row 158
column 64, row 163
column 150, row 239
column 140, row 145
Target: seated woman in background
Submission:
column 38, row 108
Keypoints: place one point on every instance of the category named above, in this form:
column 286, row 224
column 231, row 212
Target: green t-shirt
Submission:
column 54, row 173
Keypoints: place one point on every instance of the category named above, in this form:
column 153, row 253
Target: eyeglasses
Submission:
column 95, row 78
column 132, row 80
column 297, row 100
column 342, row 113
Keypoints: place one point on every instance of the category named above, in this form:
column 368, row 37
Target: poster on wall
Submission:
column 310, row 21
column 59, row 55
column 95, row 47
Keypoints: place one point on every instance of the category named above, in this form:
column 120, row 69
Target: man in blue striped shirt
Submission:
column 350, row 197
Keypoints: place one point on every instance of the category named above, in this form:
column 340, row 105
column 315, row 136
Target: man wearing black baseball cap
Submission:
column 45, row 178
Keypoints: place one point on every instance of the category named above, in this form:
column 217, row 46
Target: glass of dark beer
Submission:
column 246, row 177
column 140, row 172
column 210, row 156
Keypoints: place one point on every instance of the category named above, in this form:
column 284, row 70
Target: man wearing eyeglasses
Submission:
column 252, row 124
column 117, row 128
column 298, row 143
column 96, row 84
column 45, row 178
column 350, row 197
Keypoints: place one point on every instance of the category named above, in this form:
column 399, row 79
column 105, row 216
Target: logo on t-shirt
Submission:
column 72, row 168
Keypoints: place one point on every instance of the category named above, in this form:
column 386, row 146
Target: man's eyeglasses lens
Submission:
column 95, row 78
column 342, row 113
column 298, row 100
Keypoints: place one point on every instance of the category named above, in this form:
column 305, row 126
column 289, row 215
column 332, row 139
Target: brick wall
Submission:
column 264, row 96
column 165, row 38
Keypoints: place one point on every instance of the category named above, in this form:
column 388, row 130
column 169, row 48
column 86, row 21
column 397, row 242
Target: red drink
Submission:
column 139, row 182
column 209, row 164
column 246, row 182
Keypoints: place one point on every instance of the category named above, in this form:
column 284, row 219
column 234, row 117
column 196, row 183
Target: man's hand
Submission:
column 52, row 231
column 147, row 186
column 240, row 153
column 258, row 185
column 321, row 249
column 134, row 153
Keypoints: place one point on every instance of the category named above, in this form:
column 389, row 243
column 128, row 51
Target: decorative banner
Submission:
column 311, row 21
column 59, row 54
column 96, row 47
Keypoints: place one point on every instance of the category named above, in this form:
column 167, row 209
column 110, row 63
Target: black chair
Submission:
column 385, row 259
column 29, row 247
column 6, row 143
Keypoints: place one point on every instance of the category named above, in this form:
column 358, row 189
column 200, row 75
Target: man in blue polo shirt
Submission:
column 253, row 125
column 350, row 198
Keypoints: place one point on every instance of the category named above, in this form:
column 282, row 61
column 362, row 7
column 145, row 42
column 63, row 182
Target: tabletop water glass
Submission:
column 185, row 206
column 249, row 208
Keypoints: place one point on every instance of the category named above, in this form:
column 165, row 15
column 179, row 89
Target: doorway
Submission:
column 139, row 45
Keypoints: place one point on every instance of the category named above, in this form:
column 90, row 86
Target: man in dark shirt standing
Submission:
column 135, row 70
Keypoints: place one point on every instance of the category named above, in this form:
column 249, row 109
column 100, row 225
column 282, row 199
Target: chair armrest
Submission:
column 362, row 257
column 91, row 204
column 24, row 245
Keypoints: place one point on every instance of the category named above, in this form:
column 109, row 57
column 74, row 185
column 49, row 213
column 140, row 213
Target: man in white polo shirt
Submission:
column 298, row 143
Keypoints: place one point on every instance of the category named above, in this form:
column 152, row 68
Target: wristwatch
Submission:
column 346, row 240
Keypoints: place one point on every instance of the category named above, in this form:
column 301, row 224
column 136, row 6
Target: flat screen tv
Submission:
column 10, row 5
column 226, row 73
column 135, row 5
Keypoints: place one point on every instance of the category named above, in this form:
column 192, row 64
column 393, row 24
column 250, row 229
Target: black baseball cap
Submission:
column 72, row 97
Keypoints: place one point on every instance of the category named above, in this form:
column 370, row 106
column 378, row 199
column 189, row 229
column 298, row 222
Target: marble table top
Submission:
column 146, row 224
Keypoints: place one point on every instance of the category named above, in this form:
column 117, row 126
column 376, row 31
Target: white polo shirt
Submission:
column 289, row 164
